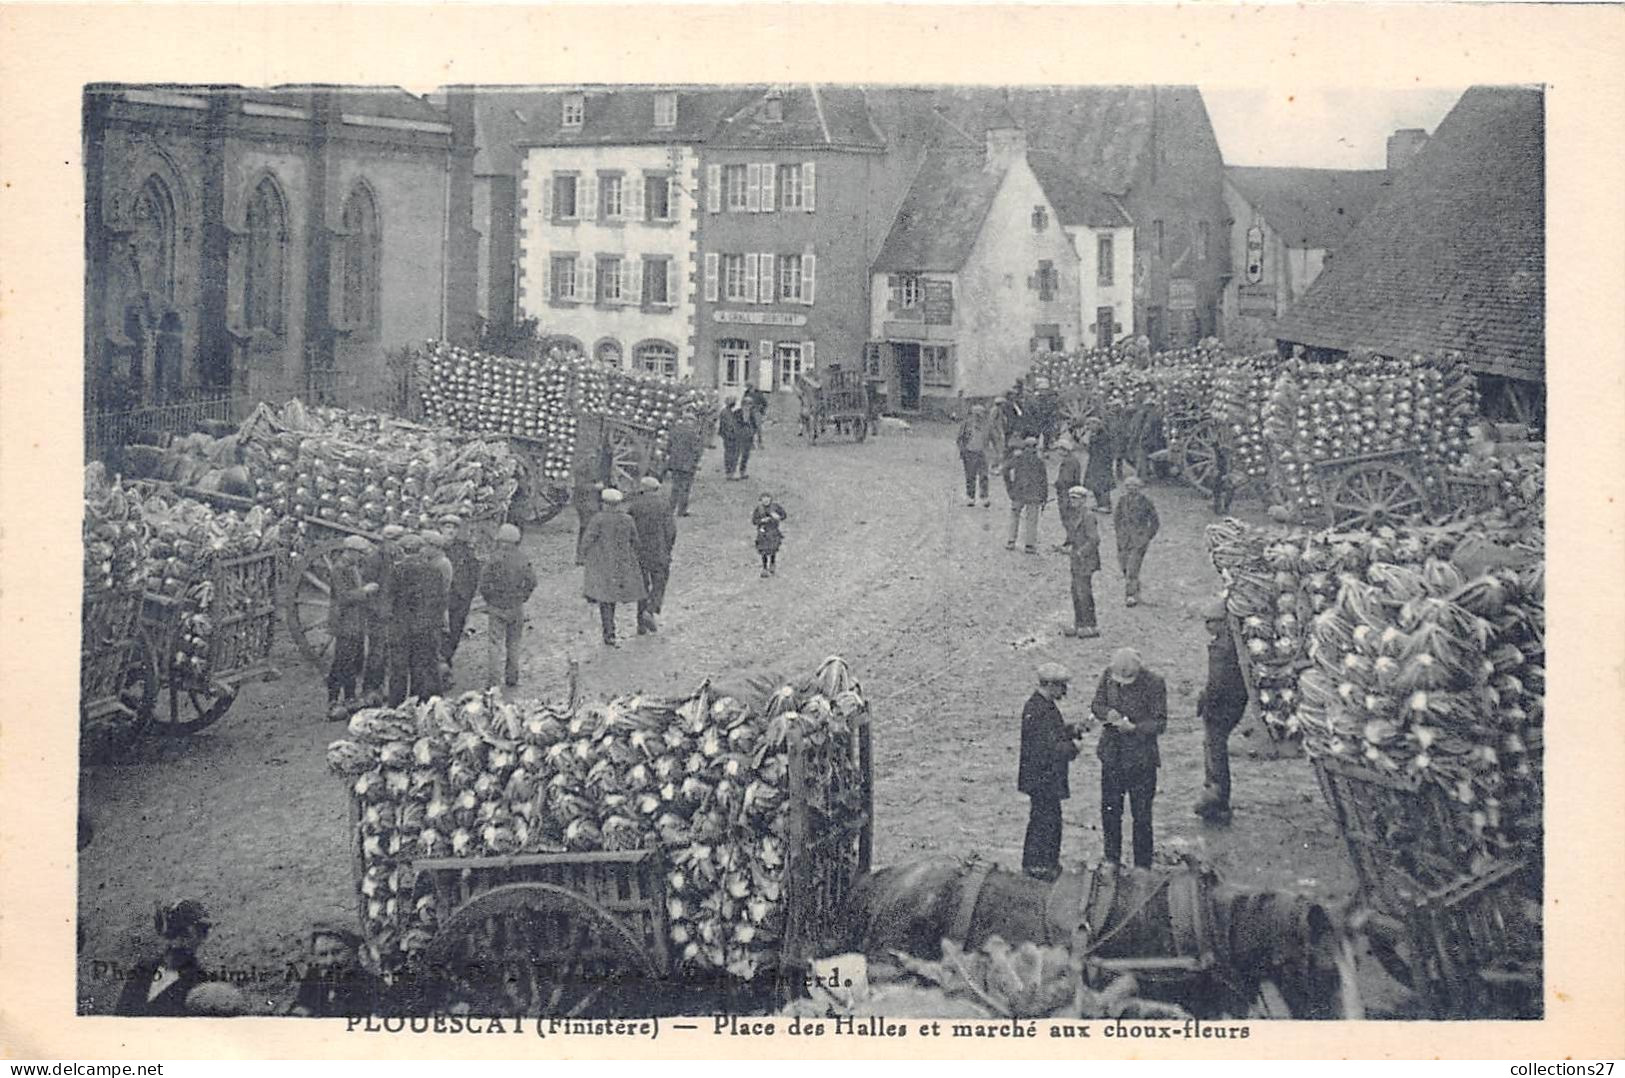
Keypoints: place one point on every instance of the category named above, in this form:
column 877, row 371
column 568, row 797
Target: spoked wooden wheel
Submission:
column 139, row 690
column 537, row 950
column 191, row 709
column 628, row 454
column 308, row 600
column 1077, row 409
column 1371, row 495
column 1198, row 450
column 548, row 501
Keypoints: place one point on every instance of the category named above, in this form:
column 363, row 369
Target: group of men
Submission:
column 1131, row 705
column 625, row 550
column 400, row 606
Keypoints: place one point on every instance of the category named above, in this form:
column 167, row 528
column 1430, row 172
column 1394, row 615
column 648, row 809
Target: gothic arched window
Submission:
column 267, row 249
column 361, row 244
column 153, row 239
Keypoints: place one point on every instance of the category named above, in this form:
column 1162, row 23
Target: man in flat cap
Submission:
column 1028, row 483
column 975, row 432
column 383, row 638
column 1221, row 704
column 465, row 580
column 1083, row 548
column 348, row 624
column 506, row 582
column 657, row 533
column 1048, row 747
column 1132, row 705
column 612, row 574
column 1135, row 523
column 420, row 605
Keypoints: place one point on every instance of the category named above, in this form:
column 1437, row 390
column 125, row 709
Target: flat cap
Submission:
column 611, row 496
column 1029, row 440
column 1125, row 665
column 649, row 482
column 1079, row 492
column 1053, row 672
column 411, row 541
column 508, row 533
column 392, row 531
column 434, row 538
column 356, row 542
column 1214, row 610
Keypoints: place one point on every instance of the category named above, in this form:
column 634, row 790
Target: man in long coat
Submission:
column 465, row 581
column 682, row 462
column 1132, row 704
column 420, row 605
column 1135, row 521
column 1220, row 704
column 381, row 631
column 1097, row 474
column 1068, row 475
column 657, row 532
column 1083, row 543
column 1048, row 748
column 735, row 441
column 613, row 574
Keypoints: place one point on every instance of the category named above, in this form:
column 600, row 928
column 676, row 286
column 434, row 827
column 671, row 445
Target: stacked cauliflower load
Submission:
column 545, row 399
column 1366, row 405
column 707, row 779
column 365, row 472
column 1241, row 391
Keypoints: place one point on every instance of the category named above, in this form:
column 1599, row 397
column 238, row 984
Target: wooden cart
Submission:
column 242, row 615
column 582, row 933
column 608, row 452
column 118, row 680
column 1371, row 490
column 1468, row 942
column 842, row 403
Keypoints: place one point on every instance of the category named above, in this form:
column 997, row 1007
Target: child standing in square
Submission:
column 769, row 536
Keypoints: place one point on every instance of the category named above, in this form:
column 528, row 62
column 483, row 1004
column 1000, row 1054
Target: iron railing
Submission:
column 107, row 431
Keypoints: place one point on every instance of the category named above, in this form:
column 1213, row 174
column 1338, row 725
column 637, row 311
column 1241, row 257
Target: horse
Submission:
column 1188, row 938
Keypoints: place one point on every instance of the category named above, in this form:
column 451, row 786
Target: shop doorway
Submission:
column 907, row 357
column 735, row 367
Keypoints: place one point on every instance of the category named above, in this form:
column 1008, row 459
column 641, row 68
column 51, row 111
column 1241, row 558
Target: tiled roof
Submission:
column 1452, row 257
column 625, row 115
column 942, row 214
column 1309, row 207
column 1076, row 201
column 833, row 117
column 1101, row 132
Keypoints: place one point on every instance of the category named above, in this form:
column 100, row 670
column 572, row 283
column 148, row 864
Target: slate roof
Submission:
column 625, row 115
column 1452, row 257
column 1076, row 201
column 388, row 101
column 1101, row 132
column 942, row 214
column 1309, row 207
column 814, row 117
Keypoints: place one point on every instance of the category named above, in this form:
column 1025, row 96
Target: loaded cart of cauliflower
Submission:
column 570, row 421
column 608, row 857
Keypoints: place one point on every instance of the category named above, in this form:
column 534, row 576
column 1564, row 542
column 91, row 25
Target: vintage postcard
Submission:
column 833, row 531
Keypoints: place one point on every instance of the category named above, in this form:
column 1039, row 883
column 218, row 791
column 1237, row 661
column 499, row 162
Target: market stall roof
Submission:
column 942, row 214
column 1310, row 207
column 1452, row 258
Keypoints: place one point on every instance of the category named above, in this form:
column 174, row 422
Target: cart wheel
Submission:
column 1371, row 495
column 548, row 502
column 628, row 452
column 191, row 710
column 139, row 691
column 1197, row 448
column 307, row 600
column 538, row 950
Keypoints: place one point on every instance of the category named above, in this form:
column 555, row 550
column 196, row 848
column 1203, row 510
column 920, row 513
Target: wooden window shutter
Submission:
column 632, row 285
column 753, row 188
column 808, row 357
column 769, row 194
column 587, row 197
column 809, row 271
column 711, row 277
column 586, row 280
column 750, row 278
column 713, row 189
column 770, row 285
column 547, row 199
column 809, row 187
column 632, row 206
column 764, row 365
column 547, row 276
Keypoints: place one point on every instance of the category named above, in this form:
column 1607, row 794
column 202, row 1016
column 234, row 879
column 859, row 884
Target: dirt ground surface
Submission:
column 883, row 564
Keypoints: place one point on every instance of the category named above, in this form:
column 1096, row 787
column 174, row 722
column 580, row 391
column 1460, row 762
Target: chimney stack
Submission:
column 1403, row 145
column 1006, row 141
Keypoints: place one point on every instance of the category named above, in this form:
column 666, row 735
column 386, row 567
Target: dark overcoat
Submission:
column 1047, row 750
column 610, row 547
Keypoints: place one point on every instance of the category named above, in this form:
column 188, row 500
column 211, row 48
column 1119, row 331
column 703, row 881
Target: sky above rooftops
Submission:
column 1319, row 127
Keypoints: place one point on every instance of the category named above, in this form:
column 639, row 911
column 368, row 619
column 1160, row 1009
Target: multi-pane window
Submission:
column 792, row 187
column 262, row 271
column 1104, row 257
column 575, row 110
column 562, row 272
column 657, row 281
column 787, row 356
column 733, row 278
column 665, row 110
column 906, row 290
column 608, row 353
column 790, row 278
column 657, row 358
column 657, row 197
column 1048, row 280
column 609, row 279
column 564, row 196
column 735, row 186
column 1204, row 237
column 610, row 202
column 1040, row 218
column 936, row 365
